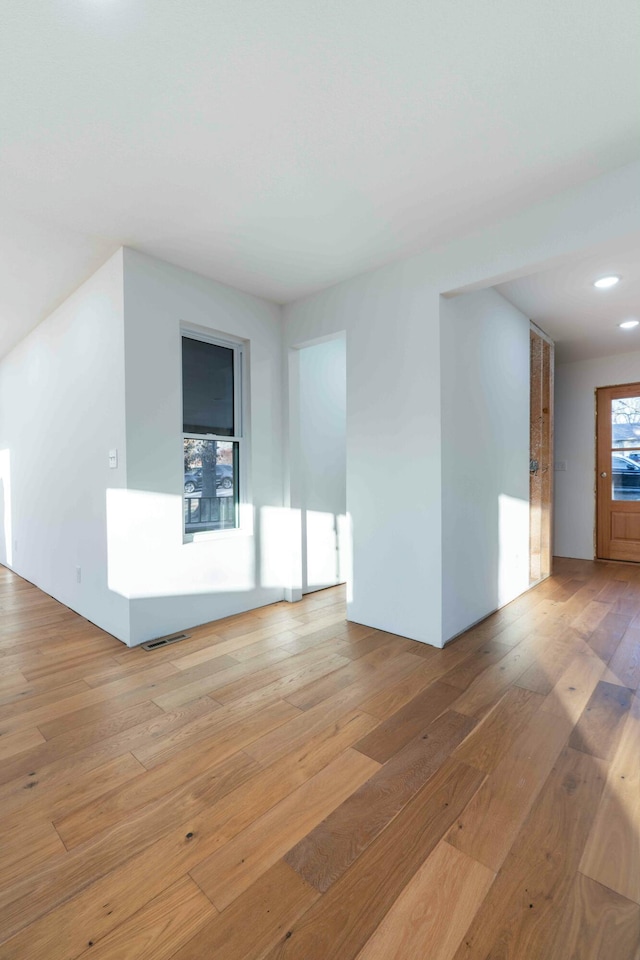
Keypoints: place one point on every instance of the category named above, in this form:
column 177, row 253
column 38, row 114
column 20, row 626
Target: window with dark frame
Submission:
column 212, row 433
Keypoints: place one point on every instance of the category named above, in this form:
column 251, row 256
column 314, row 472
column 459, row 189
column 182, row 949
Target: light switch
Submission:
column 113, row 459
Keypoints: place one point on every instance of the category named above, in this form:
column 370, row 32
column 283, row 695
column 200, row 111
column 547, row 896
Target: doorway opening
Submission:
column 321, row 402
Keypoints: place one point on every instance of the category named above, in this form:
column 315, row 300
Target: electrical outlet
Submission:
column 78, row 574
column 560, row 466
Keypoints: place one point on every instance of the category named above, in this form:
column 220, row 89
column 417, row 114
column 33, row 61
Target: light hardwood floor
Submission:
column 285, row 784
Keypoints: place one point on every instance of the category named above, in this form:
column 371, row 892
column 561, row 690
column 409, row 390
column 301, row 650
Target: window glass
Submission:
column 211, row 435
column 210, row 485
column 625, row 422
column 207, row 388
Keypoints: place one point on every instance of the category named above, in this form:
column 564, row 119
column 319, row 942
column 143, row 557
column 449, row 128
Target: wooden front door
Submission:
column 618, row 472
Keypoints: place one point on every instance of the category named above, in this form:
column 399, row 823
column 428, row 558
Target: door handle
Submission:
column 603, row 474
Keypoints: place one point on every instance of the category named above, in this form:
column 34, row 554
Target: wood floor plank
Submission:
column 208, row 800
column 98, row 910
column 509, row 632
column 174, row 680
column 54, row 790
column 338, row 925
column 99, row 717
column 549, row 665
column 490, row 740
column 62, row 878
column 283, row 639
column 624, row 666
column 598, row 729
column 302, row 668
column 11, row 677
column 392, row 698
column 84, row 748
column 250, row 926
column 200, row 808
column 612, row 853
column 220, row 647
column 485, row 691
column 431, row 915
column 567, row 589
column 571, row 693
column 573, row 612
column 327, row 851
column 230, row 728
column 523, row 908
column 150, row 787
column 465, row 673
column 15, row 702
column 280, row 778
column 613, row 589
column 406, row 723
column 18, row 742
column 356, row 648
column 205, row 678
column 606, row 638
column 159, row 929
column 273, row 745
column 314, row 692
column 368, row 666
column 26, row 851
column 486, row 829
column 139, row 684
column 232, row 685
column 596, row 924
column 230, row 871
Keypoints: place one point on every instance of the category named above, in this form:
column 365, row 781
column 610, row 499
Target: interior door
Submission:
column 618, row 472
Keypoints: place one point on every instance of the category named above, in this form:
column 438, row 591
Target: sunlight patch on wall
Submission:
column 513, row 561
column 143, row 531
column 280, row 557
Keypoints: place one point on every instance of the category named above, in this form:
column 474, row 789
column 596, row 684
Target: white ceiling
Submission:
column 581, row 319
column 285, row 145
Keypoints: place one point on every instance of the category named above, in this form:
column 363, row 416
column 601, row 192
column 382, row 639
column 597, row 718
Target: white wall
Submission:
column 173, row 585
column 104, row 372
column 391, row 317
column 61, row 411
column 575, row 426
column 322, row 410
column 392, row 405
column 484, row 350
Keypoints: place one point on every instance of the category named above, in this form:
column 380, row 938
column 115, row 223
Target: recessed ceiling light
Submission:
column 629, row 324
column 605, row 282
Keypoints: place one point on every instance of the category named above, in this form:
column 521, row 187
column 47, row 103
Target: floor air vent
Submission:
column 164, row 641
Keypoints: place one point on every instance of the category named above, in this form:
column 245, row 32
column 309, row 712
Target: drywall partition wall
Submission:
column 575, row 427
column 172, row 584
column 392, row 321
column 484, row 350
column 322, row 399
column 393, row 414
column 61, row 412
